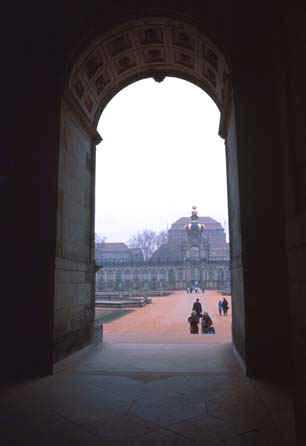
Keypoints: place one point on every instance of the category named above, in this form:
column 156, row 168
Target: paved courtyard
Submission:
column 150, row 383
column 165, row 321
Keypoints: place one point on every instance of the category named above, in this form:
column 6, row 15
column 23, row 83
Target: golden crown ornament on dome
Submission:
column 194, row 227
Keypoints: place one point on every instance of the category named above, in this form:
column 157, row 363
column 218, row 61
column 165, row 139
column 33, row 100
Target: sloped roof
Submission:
column 209, row 222
column 162, row 251
column 135, row 251
column 111, row 247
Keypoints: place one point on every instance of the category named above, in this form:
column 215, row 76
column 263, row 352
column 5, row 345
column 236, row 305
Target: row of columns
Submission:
column 181, row 275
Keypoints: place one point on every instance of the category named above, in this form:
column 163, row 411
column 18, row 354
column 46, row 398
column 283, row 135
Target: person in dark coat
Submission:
column 220, row 306
column 197, row 307
column 225, row 306
column 193, row 321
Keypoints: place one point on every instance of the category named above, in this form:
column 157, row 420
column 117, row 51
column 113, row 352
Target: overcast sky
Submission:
column 160, row 155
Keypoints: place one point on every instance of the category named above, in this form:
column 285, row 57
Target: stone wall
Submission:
column 233, row 190
column 74, row 273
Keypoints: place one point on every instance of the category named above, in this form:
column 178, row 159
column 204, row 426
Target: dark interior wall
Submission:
column 261, row 165
column 28, row 194
column 295, row 176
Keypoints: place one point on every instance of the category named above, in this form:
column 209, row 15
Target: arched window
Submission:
column 194, row 253
column 171, row 275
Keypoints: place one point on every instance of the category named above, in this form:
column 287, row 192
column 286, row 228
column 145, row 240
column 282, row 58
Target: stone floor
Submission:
column 132, row 393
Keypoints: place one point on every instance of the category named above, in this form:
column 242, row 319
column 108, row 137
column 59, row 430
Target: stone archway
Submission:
column 56, row 177
column 151, row 47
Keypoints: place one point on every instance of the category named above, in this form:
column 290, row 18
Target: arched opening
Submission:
column 161, row 152
column 266, row 164
column 153, row 47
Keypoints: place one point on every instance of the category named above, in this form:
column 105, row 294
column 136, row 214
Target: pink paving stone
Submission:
column 165, row 321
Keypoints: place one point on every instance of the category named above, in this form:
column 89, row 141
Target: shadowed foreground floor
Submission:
column 132, row 393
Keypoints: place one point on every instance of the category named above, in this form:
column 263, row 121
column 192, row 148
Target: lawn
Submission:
column 106, row 315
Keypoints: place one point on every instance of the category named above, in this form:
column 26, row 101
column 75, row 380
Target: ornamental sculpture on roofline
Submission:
column 194, row 229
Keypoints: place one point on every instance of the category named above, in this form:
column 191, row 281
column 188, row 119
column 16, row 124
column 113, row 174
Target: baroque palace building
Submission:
column 196, row 254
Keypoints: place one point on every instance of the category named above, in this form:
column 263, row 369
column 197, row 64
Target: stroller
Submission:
column 207, row 325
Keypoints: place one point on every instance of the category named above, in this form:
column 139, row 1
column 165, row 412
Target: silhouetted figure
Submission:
column 220, row 307
column 197, row 307
column 225, row 306
column 207, row 324
column 194, row 322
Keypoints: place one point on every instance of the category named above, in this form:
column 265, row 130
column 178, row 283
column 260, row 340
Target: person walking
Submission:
column 193, row 321
column 197, row 307
column 220, row 306
column 225, row 306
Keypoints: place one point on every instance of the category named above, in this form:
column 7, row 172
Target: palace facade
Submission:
column 196, row 254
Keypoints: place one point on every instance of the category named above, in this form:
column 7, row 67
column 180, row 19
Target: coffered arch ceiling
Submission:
column 152, row 47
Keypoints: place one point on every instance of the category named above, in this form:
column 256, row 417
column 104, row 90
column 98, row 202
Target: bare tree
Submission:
column 161, row 238
column 148, row 241
column 99, row 238
column 99, row 244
